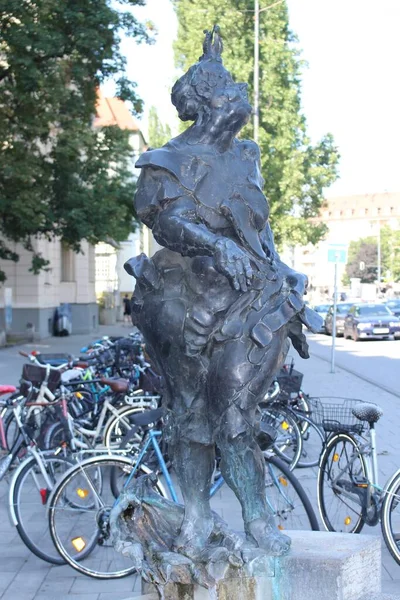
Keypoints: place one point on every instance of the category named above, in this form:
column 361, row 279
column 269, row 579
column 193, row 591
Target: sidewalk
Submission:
column 24, row 577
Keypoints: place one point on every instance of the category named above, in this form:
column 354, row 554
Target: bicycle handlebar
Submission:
column 271, row 395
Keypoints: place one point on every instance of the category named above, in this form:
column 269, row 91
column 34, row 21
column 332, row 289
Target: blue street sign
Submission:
column 337, row 253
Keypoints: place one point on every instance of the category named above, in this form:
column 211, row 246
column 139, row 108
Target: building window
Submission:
column 67, row 263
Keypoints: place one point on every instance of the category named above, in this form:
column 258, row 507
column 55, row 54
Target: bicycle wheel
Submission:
column 288, row 444
column 286, row 497
column 313, row 442
column 57, row 435
column 341, row 473
column 390, row 517
column 11, row 429
column 82, row 535
column 118, row 426
column 29, row 492
column 300, row 405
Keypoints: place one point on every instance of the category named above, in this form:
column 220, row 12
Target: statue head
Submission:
column 208, row 87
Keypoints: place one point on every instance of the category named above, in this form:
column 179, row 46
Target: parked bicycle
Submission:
column 349, row 493
column 82, row 536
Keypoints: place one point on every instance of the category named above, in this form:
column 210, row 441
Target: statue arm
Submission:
column 267, row 242
column 176, row 226
column 297, row 281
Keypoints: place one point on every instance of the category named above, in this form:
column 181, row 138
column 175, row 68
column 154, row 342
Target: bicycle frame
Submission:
column 152, row 441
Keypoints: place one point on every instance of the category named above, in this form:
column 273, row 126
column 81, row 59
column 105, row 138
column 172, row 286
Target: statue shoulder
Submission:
column 188, row 169
column 248, row 149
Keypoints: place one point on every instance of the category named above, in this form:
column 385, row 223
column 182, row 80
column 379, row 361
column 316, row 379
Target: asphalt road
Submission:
column 375, row 361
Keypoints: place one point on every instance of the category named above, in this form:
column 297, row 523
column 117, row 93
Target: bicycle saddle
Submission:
column 7, row 389
column 119, row 386
column 147, row 417
column 367, row 412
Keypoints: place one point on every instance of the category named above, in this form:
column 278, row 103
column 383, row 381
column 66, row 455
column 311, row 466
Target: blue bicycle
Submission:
column 81, row 502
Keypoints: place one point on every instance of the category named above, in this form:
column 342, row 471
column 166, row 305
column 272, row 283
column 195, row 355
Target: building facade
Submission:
column 349, row 218
column 70, row 278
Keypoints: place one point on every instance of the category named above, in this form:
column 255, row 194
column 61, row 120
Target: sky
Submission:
column 350, row 88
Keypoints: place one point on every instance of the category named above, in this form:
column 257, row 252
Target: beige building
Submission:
column 348, row 218
column 69, row 279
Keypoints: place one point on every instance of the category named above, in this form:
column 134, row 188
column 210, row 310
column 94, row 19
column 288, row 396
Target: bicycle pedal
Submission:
column 360, row 482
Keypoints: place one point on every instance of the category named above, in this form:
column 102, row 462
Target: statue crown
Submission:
column 212, row 45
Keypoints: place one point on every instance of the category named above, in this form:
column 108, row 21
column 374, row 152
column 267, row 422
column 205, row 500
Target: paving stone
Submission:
column 58, row 596
column 82, row 586
column 5, row 580
column 25, row 584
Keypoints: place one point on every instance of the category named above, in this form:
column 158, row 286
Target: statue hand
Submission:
column 298, row 282
column 233, row 262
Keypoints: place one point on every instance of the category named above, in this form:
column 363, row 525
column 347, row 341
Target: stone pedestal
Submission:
column 320, row 565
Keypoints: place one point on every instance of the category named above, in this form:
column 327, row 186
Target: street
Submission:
column 373, row 360
column 365, row 370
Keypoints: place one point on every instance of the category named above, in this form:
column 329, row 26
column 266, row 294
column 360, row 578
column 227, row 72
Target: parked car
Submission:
column 394, row 306
column 342, row 308
column 322, row 310
column 371, row 321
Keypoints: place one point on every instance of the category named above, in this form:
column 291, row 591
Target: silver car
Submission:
column 342, row 309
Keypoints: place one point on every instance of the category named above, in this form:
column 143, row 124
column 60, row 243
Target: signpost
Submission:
column 337, row 253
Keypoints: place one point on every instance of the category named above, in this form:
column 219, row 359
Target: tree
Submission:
column 295, row 171
column 365, row 251
column 55, row 175
column 159, row 134
column 362, row 253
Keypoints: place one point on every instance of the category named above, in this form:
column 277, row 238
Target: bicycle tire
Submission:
column 323, row 486
column 299, row 405
column 390, row 524
column 11, row 429
column 57, row 436
column 97, row 547
column 283, row 480
column 313, row 443
column 289, row 443
column 38, row 541
column 118, row 426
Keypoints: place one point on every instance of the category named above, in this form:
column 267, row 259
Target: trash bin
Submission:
column 63, row 320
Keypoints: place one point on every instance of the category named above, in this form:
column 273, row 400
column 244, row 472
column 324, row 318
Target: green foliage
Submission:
column 366, row 250
column 159, row 134
column 59, row 176
column 296, row 172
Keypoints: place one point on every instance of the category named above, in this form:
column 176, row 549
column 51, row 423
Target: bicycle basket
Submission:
column 36, row 375
column 53, row 359
column 289, row 380
column 335, row 414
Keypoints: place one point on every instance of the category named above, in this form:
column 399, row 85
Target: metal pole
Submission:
column 256, row 73
column 379, row 258
column 334, row 320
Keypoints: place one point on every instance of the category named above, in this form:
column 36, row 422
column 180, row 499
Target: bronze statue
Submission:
column 216, row 305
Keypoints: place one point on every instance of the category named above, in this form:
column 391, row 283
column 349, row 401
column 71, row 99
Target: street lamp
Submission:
column 256, row 73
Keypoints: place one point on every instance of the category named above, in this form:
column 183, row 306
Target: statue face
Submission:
column 231, row 105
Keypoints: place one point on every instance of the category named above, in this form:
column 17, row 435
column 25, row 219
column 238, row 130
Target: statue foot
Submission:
column 265, row 535
column 193, row 536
